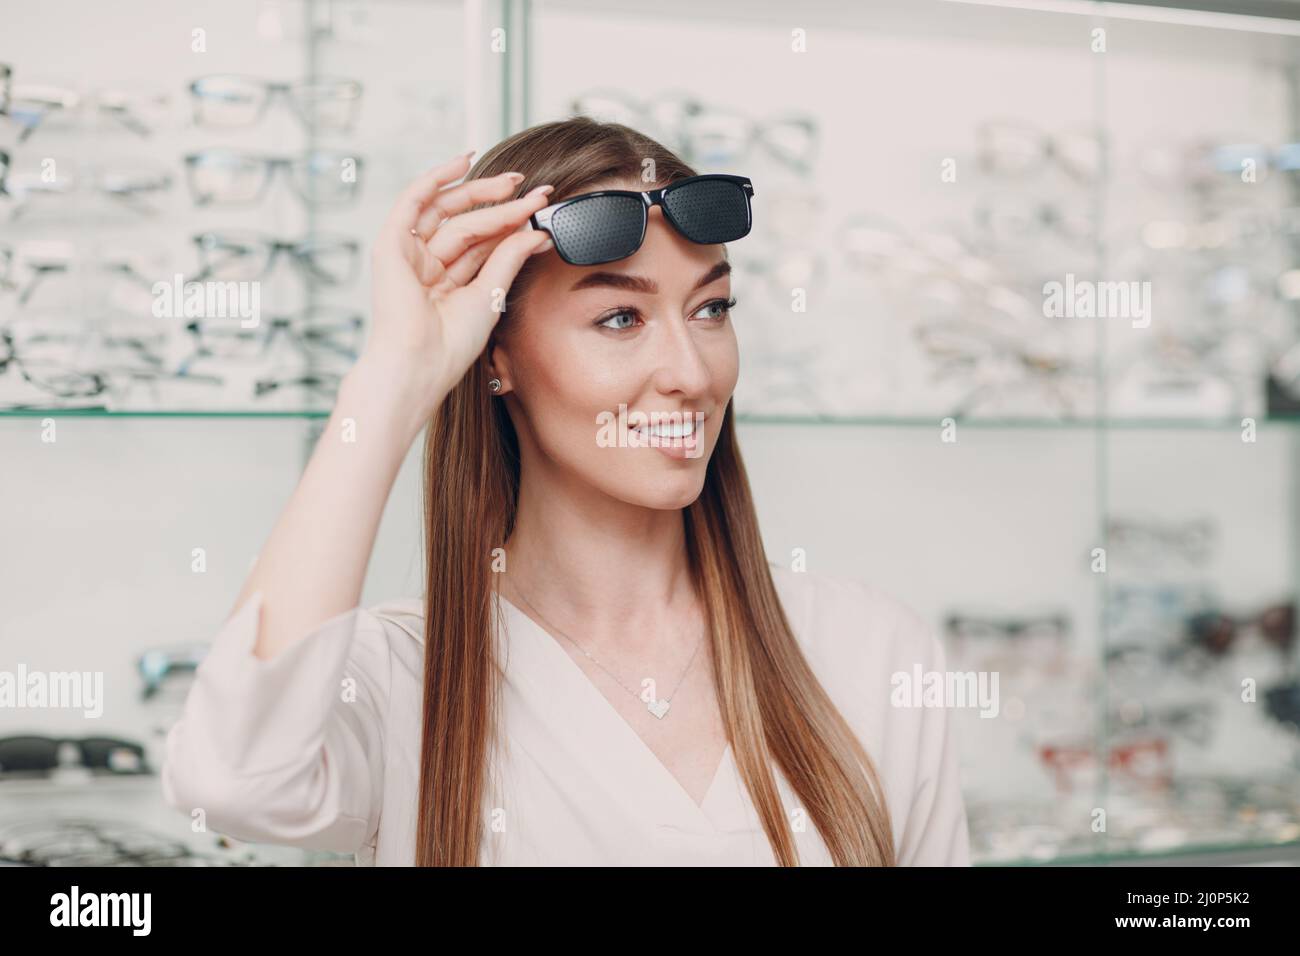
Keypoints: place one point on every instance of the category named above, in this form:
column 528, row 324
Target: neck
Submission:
column 598, row 568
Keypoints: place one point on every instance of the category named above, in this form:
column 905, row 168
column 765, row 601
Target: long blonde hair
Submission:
column 773, row 708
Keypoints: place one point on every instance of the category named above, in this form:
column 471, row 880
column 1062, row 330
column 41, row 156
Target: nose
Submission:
column 680, row 366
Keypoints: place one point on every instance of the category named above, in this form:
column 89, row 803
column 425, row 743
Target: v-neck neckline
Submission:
column 597, row 699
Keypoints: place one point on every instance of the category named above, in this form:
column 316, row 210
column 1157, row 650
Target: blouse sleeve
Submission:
column 287, row 750
column 936, row 832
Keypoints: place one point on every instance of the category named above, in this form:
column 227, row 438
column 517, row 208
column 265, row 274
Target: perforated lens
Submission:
column 599, row 229
column 709, row 210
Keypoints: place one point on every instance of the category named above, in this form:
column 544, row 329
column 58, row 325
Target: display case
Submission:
column 1017, row 324
column 149, row 440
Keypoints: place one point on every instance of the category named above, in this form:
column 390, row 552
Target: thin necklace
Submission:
column 657, row 707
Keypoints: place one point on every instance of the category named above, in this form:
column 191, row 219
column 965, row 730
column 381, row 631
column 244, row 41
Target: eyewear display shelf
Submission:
column 820, row 442
column 993, row 538
column 1065, row 500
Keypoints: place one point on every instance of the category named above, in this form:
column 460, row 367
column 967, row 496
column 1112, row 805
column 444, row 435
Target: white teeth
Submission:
column 669, row 429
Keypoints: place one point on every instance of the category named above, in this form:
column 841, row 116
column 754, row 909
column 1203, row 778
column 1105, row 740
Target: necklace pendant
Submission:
column 657, row 707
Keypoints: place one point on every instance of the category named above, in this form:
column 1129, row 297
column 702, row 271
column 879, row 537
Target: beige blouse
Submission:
column 319, row 747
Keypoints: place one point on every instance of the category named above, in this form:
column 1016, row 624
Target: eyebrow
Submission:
column 618, row 280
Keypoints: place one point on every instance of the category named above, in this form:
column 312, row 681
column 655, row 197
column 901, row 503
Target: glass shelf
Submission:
column 104, row 413
column 845, row 421
column 1182, row 856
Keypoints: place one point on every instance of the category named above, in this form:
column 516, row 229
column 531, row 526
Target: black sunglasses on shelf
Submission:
column 39, row 754
column 604, row 226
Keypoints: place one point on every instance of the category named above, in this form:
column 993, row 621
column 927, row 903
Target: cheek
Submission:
column 726, row 363
column 577, row 381
column 571, row 387
column 719, row 350
column 567, row 393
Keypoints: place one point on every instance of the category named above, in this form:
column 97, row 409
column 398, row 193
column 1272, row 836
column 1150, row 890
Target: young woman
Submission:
column 604, row 667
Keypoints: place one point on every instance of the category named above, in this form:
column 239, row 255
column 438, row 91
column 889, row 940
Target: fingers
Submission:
column 428, row 268
column 505, row 261
column 454, row 200
column 458, row 234
column 464, row 269
column 420, row 191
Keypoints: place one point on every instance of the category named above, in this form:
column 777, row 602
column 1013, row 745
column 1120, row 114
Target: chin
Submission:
column 668, row 488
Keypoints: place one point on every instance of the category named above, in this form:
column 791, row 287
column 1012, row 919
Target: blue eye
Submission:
column 724, row 305
column 614, row 320
column 604, row 323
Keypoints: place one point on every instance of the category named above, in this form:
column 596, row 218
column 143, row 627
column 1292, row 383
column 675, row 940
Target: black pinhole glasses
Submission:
column 603, row 226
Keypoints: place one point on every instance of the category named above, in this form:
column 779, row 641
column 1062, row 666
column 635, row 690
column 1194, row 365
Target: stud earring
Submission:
column 495, row 384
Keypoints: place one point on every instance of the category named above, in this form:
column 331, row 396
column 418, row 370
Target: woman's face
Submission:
column 600, row 350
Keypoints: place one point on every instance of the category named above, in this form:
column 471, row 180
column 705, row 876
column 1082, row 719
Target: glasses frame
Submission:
column 270, row 167
column 312, row 328
column 87, row 748
column 300, row 251
column 157, row 664
column 345, row 89
column 95, row 382
column 649, row 198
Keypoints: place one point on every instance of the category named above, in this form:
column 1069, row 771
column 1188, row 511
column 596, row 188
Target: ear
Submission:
column 498, row 362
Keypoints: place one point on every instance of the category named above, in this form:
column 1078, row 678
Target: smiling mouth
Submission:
column 677, row 426
column 667, row 430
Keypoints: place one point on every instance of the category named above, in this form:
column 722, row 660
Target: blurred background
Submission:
column 1100, row 504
